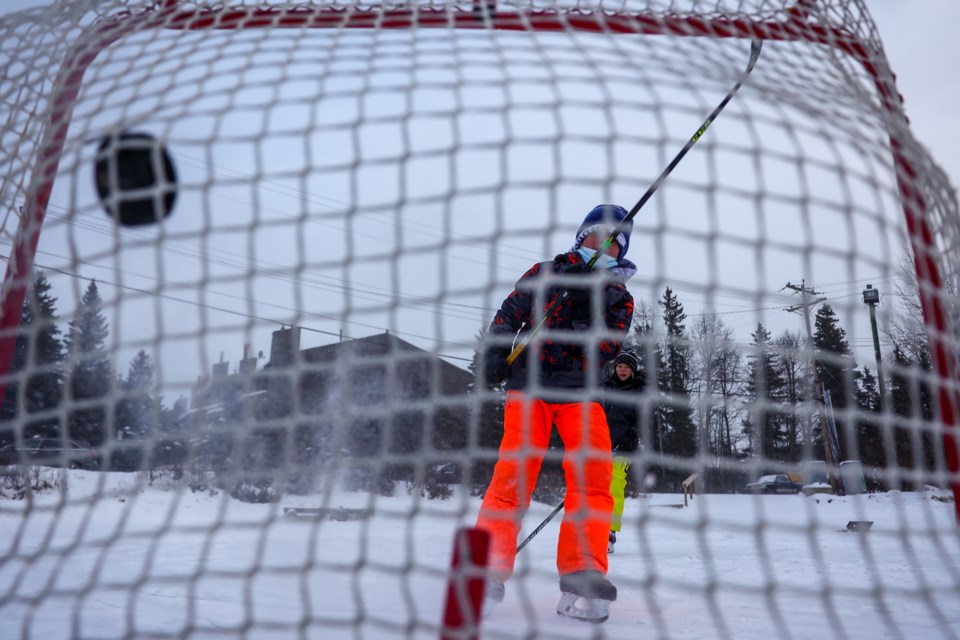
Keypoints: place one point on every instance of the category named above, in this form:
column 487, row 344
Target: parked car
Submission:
column 51, row 452
column 779, row 483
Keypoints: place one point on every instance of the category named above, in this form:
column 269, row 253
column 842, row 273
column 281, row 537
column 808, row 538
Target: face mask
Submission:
column 603, row 262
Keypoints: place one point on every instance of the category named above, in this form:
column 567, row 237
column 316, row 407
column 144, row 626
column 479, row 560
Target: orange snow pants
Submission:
column 587, row 467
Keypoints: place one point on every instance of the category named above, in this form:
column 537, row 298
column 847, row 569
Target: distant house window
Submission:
column 413, row 378
column 368, row 385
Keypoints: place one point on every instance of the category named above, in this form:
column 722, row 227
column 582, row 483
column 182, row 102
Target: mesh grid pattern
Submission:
column 352, row 205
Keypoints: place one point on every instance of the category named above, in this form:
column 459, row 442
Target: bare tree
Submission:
column 719, row 377
column 794, row 363
column 728, row 384
column 903, row 323
column 915, row 440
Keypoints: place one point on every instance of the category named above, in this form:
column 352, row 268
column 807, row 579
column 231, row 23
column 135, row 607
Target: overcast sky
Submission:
column 920, row 40
column 919, row 44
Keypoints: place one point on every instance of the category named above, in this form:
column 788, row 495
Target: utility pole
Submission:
column 809, row 298
column 871, row 298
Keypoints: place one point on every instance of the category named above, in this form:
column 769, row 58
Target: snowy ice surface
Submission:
column 117, row 558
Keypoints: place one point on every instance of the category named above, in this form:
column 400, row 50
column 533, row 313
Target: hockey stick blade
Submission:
column 755, row 47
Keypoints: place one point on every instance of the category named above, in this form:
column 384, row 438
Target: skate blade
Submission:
column 585, row 609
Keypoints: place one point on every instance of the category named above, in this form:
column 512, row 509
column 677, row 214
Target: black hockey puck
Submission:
column 135, row 178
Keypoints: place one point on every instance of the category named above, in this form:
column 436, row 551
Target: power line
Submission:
column 249, row 315
column 345, row 206
column 279, row 272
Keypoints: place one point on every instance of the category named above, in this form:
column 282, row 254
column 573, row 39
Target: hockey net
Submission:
column 355, row 189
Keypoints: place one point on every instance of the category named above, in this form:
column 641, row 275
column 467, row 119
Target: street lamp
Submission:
column 871, row 298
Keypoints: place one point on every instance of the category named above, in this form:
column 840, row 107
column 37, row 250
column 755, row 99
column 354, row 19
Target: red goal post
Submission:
column 801, row 23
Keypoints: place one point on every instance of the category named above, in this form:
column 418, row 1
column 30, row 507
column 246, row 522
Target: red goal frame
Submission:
column 485, row 15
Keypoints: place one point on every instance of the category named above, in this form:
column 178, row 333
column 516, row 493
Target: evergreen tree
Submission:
column 766, row 390
column 38, row 355
column 869, row 430
column 91, row 375
column 677, row 433
column 135, row 409
column 929, row 433
column 21, row 353
column 911, row 401
column 901, row 404
column 835, row 366
column 140, row 374
column 134, row 413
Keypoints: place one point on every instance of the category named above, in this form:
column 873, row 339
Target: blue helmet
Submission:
column 606, row 217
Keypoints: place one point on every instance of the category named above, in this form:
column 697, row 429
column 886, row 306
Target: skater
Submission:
column 551, row 382
column 620, row 406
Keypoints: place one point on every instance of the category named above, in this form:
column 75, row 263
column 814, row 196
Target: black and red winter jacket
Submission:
column 622, row 404
column 561, row 345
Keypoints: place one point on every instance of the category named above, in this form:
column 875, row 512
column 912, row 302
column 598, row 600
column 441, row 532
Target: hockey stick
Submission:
column 533, row 534
column 755, row 46
column 553, row 514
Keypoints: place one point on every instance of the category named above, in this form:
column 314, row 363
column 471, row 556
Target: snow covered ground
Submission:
column 118, row 558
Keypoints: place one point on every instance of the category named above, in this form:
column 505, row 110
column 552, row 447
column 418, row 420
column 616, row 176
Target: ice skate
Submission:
column 492, row 596
column 612, row 540
column 586, row 595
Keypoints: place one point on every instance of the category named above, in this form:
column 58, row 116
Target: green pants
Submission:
column 617, row 487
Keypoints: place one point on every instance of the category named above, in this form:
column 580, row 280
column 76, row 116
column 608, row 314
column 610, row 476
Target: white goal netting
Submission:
column 253, row 249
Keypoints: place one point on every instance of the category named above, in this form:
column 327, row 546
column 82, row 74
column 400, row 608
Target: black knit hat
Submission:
column 630, row 359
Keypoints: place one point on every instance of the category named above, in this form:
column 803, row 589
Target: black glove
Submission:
column 495, row 366
column 579, row 295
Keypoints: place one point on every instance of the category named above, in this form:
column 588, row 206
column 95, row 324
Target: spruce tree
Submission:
column 911, row 401
column 91, row 374
column 140, row 374
column 135, row 409
column 677, row 433
column 835, row 367
column 932, row 442
column 766, row 391
column 901, row 398
column 38, row 354
column 869, row 430
column 12, row 400
column 134, row 414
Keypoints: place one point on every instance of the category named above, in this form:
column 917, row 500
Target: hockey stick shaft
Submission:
column 755, row 46
column 533, row 534
column 553, row 514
